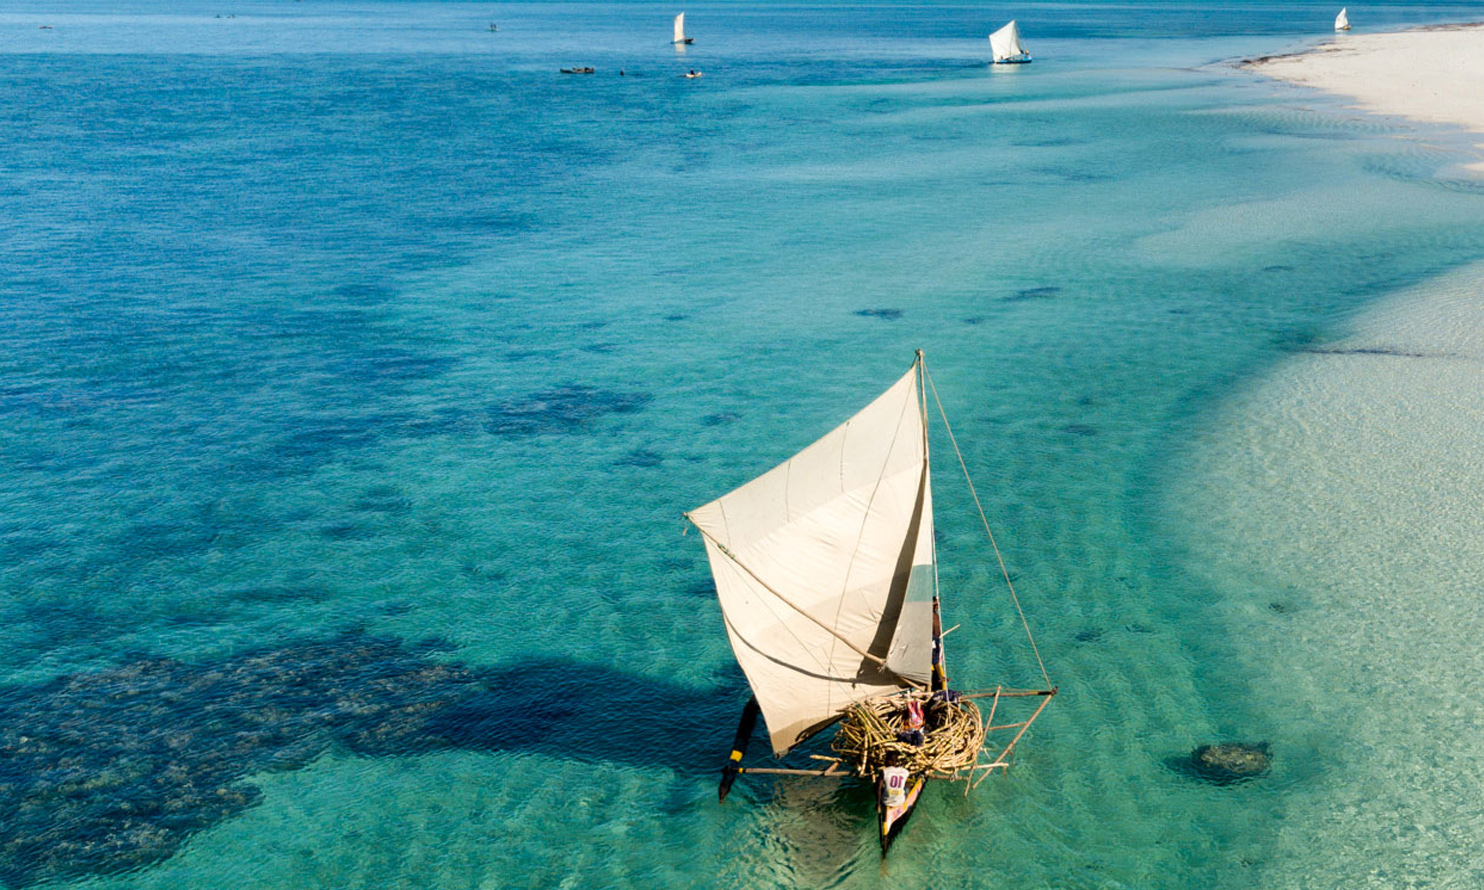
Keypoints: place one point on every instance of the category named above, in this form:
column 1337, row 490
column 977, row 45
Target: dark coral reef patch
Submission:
column 109, row 771
column 562, row 409
column 112, row 770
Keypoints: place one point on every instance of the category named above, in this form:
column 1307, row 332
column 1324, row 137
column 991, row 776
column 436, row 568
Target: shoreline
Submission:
column 1432, row 74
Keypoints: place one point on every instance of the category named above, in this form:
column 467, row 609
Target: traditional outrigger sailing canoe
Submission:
column 680, row 37
column 1004, row 46
column 826, row 569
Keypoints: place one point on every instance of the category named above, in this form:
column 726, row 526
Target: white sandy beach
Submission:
column 1345, row 487
column 1352, row 481
column 1433, row 74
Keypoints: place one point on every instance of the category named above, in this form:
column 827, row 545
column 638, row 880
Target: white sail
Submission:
column 1342, row 21
column 680, row 28
column 1004, row 45
column 828, row 556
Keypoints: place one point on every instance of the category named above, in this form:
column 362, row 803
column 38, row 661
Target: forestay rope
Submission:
column 996, row 547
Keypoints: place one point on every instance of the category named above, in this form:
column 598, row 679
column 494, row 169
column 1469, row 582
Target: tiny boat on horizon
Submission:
column 680, row 37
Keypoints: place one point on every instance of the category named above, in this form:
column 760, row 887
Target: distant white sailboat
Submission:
column 680, row 37
column 1342, row 21
column 1005, row 45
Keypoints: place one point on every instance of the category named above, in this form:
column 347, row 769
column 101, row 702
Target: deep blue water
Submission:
column 360, row 364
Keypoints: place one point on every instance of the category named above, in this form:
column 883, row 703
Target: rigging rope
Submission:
column 996, row 547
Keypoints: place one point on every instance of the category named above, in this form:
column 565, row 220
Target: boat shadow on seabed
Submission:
column 109, row 771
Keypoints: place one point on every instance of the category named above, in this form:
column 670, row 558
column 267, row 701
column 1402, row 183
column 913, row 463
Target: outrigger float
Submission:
column 826, row 570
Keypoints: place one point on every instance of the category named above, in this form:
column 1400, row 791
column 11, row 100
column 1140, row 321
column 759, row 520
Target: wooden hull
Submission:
column 891, row 820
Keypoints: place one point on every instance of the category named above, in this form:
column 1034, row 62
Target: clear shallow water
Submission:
column 362, row 317
column 1345, row 487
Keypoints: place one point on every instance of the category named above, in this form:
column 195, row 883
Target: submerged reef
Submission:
column 1033, row 293
column 109, row 771
column 559, row 410
column 1230, row 762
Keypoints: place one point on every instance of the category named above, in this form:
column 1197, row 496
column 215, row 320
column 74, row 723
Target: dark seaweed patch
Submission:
column 883, row 314
column 1053, row 142
column 17, row 547
column 564, row 409
column 1080, row 429
column 1033, row 293
column 1227, row 763
column 385, row 500
column 166, row 539
column 441, row 422
column 721, row 418
column 1090, row 635
column 389, row 364
column 644, row 458
column 110, row 771
column 314, row 446
column 1367, row 350
column 347, row 531
column 483, row 571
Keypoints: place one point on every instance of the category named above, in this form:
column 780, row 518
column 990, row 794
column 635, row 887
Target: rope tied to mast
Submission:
column 983, row 519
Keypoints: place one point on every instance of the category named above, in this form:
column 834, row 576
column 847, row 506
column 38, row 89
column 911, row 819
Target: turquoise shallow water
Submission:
column 359, row 326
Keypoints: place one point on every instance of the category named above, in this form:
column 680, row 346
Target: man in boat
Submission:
column 893, row 783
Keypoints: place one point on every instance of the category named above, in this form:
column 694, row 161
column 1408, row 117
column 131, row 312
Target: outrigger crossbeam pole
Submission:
column 830, row 772
column 1012, row 693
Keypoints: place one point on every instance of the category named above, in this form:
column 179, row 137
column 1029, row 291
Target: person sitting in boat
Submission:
column 938, row 706
column 914, row 734
column 893, row 783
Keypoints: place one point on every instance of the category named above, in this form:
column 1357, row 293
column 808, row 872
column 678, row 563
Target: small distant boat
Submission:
column 1342, row 21
column 692, row 74
column 680, row 31
column 494, row 27
column 578, row 70
column 1004, row 44
column 826, row 571
column 43, row 27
